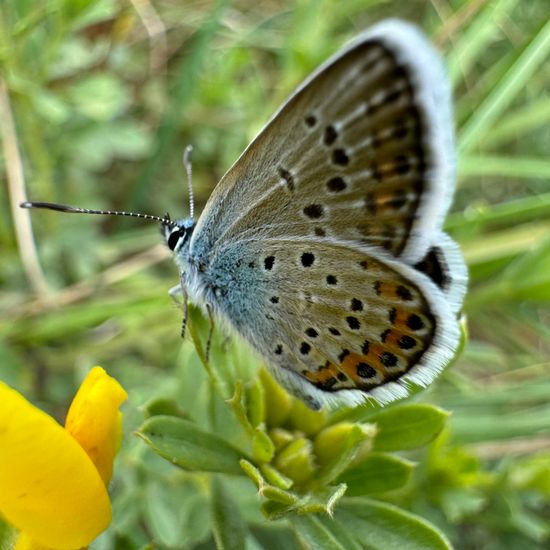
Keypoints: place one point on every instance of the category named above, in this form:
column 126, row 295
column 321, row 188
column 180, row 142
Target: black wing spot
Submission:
column 331, row 280
column 343, row 355
column 268, row 262
column 365, row 371
column 402, row 164
column 406, row 342
column 353, row 322
column 340, row 157
column 313, row 211
column 307, row 259
column 311, row 332
column 356, row 305
column 305, row 348
column 392, row 96
column 414, row 322
column 336, row 185
column 388, row 359
column 330, row 135
column 310, row 120
column 404, row 293
column 334, row 331
column 434, row 266
column 398, row 200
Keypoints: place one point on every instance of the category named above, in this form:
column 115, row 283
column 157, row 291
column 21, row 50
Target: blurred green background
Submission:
column 105, row 95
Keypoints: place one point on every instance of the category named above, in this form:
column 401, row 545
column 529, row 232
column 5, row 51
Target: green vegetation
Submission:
column 105, row 96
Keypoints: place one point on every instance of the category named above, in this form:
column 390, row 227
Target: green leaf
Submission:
column 163, row 513
column 506, row 89
column 187, row 445
column 100, row 97
column 315, row 532
column 528, row 277
column 163, row 406
column 381, row 526
column 406, row 427
column 186, row 77
column 473, row 166
column 228, row 527
column 475, row 37
column 377, row 473
column 176, row 513
column 511, row 212
column 522, row 122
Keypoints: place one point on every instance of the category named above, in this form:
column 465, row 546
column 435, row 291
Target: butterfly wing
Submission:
column 362, row 151
column 337, row 322
column 357, row 167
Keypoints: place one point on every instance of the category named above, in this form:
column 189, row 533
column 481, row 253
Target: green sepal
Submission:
column 296, row 460
column 278, row 403
column 337, row 446
column 263, row 448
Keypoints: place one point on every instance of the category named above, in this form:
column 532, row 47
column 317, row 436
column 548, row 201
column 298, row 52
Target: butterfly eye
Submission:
column 174, row 237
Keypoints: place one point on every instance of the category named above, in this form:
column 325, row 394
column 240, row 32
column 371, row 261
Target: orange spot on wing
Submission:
column 351, row 361
column 322, row 374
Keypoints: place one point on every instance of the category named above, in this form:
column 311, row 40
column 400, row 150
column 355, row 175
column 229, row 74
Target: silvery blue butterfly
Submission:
column 322, row 246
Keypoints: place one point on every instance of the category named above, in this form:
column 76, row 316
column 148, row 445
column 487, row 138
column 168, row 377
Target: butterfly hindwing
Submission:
column 336, row 321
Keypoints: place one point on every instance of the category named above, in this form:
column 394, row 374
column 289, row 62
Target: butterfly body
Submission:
column 322, row 245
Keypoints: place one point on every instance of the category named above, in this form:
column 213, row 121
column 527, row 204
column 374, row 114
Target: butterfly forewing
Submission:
column 350, row 155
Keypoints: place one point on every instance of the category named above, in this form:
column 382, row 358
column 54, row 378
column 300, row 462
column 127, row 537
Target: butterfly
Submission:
column 322, row 246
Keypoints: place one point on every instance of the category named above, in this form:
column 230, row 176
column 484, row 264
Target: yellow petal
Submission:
column 49, row 487
column 95, row 421
column 24, row 542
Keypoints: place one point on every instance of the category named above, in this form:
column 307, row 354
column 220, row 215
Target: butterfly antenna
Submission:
column 75, row 210
column 189, row 170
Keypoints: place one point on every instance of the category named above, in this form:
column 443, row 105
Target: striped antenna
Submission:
column 189, row 170
column 76, row 210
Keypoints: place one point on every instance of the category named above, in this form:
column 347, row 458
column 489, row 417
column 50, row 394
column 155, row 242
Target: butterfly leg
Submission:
column 210, row 331
column 175, row 293
column 185, row 311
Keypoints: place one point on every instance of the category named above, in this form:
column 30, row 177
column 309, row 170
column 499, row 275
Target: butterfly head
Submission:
column 177, row 234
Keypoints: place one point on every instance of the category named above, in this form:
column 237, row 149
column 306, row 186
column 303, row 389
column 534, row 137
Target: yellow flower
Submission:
column 53, row 480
